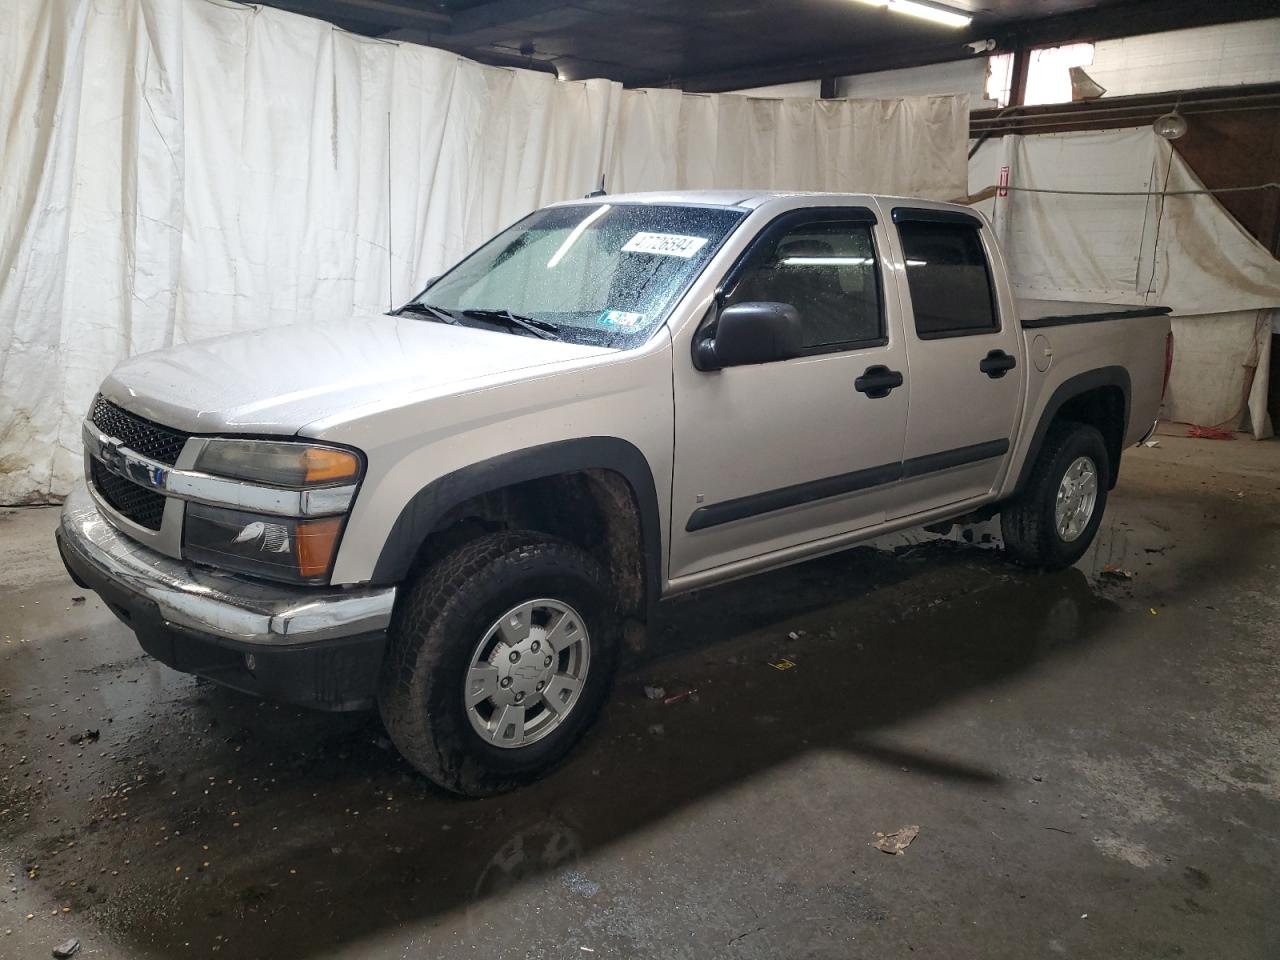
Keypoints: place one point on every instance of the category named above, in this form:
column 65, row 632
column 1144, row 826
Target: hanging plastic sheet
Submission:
column 179, row 169
column 1118, row 216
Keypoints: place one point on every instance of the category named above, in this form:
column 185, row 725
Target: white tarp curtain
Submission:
column 1185, row 252
column 175, row 169
column 904, row 147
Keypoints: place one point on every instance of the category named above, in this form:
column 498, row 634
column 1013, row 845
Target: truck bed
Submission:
column 1057, row 313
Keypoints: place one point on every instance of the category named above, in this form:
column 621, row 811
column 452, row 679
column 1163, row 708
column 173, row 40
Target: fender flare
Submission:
column 423, row 511
column 1070, row 388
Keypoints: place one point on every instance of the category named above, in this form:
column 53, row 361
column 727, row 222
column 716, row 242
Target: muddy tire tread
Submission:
column 417, row 646
column 1026, row 524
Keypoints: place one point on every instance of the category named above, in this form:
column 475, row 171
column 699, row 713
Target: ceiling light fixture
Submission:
column 1171, row 126
column 946, row 16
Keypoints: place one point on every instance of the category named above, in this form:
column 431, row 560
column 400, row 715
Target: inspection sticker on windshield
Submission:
column 665, row 244
column 620, row 318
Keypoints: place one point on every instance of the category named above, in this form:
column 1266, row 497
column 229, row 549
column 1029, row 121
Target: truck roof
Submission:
column 745, row 197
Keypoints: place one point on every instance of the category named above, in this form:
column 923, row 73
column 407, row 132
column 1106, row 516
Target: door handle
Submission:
column 996, row 364
column 878, row 381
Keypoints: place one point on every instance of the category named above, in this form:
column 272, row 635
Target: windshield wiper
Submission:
column 539, row 328
column 427, row 310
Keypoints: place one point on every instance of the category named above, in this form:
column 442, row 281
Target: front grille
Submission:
column 144, row 507
column 139, row 435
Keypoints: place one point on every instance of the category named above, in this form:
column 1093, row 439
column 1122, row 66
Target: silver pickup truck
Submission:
column 457, row 511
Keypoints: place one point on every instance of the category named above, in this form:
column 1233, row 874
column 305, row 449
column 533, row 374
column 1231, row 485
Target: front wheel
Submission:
column 501, row 655
column 1053, row 521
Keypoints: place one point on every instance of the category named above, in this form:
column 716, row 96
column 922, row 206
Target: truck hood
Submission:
column 276, row 381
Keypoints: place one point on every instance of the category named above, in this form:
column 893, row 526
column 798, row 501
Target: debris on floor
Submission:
column 578, row 883
column 654, row 693
column 86, row 736
column 678, row 697
column 1112, row 572
column 782, row 664
column 68, row 948
column 896, row 843
column 1209, row 433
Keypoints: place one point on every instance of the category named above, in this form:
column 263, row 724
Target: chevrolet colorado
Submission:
column 456, row 511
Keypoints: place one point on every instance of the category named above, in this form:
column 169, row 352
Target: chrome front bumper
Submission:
column 215, row 606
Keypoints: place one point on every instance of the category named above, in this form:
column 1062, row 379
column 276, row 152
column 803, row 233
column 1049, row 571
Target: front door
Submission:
column 776, row 455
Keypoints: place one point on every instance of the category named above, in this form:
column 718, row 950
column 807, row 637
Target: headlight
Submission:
column 296, row 541
column 282, row 548
column 279, row 463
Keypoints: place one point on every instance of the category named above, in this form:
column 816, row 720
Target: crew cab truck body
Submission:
column 456, row 511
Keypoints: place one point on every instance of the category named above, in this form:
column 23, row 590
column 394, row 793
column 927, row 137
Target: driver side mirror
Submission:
column 748, row 333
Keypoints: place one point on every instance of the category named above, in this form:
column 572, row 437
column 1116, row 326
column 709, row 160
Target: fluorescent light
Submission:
column 925, row 11
column 572, row 238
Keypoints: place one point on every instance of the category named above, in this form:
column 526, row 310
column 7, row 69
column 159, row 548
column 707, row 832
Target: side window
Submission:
column 951, row 292
column 827, row 271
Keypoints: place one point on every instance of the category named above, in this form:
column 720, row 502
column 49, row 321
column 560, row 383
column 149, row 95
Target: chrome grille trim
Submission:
column 213, row 491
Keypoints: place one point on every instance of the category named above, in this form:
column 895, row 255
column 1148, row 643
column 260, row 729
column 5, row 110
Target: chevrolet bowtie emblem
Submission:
column 111, row 455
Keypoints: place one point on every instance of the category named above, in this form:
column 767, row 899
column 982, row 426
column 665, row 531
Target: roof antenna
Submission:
column 598, row 191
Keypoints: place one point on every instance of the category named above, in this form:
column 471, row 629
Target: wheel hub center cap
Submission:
column 524, row 669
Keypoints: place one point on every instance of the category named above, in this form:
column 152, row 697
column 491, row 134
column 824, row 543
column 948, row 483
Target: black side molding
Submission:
column 421, row 514
column 755, row 504
column 740, row 508
column 959, row 457
column 1066, row 319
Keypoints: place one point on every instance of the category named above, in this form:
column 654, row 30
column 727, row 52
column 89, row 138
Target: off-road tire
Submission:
column 442, row 615
column 1027, row 523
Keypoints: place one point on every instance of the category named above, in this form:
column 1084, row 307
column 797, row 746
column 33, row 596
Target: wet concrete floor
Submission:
column 1093, row 763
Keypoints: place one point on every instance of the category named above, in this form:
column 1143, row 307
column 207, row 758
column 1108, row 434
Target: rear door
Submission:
column 963, row 350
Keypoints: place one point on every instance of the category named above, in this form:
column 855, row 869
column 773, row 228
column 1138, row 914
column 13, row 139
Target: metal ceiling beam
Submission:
column 1130, row 19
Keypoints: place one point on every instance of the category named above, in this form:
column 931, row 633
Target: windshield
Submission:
column 594, row 273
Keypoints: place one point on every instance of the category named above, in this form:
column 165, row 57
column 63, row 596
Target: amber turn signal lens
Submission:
column 317, row 540
column 325, row 465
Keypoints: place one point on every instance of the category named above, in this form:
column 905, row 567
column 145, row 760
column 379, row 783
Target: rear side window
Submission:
column 950, row 283
column 826, row 269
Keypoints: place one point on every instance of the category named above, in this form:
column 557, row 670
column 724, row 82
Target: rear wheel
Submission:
column 1053, row 521
column 501, row 655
